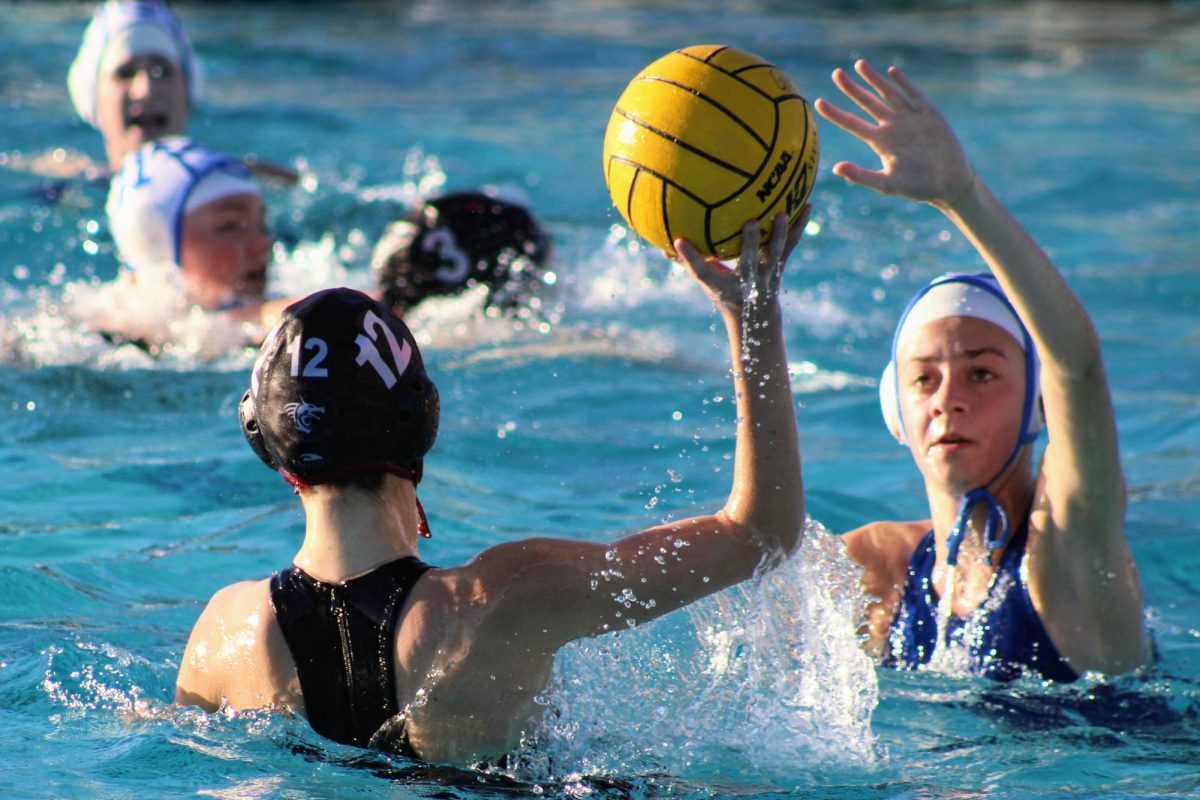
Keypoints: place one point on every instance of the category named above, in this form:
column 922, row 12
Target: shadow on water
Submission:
column 447, row 781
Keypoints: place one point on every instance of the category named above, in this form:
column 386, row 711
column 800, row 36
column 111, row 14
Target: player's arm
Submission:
column 567, row 590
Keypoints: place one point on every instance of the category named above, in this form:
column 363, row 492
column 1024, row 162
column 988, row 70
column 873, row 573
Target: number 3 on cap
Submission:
column 368, row 353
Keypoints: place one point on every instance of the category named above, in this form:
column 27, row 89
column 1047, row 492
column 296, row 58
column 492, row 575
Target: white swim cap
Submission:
column 119, row 30
column 157, row 186
column 976, row 295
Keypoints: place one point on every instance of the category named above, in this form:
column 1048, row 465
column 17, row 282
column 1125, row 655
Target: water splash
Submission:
column 758, row 679
column 85, row 676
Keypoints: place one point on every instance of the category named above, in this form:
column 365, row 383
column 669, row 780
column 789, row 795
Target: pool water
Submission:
column 127, row 495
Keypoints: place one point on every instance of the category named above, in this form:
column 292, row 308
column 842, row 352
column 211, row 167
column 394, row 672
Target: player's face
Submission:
column 139, row 100
column 962, row 391
column 225, row 251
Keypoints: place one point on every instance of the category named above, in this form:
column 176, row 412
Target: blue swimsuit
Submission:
column 1004, row 635
column 342, row 637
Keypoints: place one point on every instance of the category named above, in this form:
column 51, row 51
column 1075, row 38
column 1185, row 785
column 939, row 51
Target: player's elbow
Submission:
column 775, row 530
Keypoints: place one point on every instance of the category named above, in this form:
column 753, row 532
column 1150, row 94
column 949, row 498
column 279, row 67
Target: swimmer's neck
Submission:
column 349, row 532
column 1014, row 490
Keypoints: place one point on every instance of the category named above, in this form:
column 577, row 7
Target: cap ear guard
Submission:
column 251, row 431
column 889, row 403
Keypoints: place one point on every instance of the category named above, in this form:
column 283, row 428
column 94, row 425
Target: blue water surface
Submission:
column 127, row 495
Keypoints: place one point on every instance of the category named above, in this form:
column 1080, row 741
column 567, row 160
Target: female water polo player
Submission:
column 190, row 230
column 135, row 78
column 1018, row 570
column 376, row 648
column 182, row 208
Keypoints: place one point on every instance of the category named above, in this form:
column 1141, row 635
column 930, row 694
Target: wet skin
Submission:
column 961, row 389
column 224, row 251
column 140, row 100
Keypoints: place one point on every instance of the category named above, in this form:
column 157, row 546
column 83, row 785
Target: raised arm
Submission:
column 566, row 590
column 1080, row 565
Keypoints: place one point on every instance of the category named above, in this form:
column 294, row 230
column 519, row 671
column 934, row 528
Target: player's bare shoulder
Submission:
column 883, row 549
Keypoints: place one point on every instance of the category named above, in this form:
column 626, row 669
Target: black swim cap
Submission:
column 456, row 242
column 339, row 388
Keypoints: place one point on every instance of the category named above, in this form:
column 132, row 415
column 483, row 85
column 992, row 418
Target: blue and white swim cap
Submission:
column 119, row 30
column 156, row 188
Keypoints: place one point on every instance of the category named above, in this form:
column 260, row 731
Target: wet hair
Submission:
column 339, row 391
column 369, row 480
column 453, row 243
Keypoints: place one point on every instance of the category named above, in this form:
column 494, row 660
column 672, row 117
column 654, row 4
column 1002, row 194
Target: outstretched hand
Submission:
column 759, row 272
column 921, row 157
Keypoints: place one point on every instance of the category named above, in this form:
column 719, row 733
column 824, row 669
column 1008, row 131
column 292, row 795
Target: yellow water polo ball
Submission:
column 705, row 139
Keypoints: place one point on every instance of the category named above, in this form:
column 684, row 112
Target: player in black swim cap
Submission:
column 453, row 243
column 339, row 388
column 376, row 648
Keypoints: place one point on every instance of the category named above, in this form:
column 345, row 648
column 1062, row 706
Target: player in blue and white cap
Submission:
column 1022, row 567
column 178, row 205
column 135, row 78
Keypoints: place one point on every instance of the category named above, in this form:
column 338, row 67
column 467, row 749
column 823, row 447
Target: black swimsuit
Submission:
column 342, row 638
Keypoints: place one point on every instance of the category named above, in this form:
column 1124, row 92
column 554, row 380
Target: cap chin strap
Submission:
column 996, row 531
column 411, row 473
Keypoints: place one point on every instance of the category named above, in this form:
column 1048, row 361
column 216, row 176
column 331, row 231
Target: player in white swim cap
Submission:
column 1022, row 567
column 178, row 205
column 135, row 78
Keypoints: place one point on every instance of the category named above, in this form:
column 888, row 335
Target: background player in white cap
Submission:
column 135, row 78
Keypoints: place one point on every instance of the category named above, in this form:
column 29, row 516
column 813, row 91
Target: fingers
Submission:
column 731, row 286
column 777, row 245
column 886, row 89
column 691, row 258
column 915, row 97
column 853, row 173
column 856, row 126
column 796, row 232
column 749, row 259
column 862, row 98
